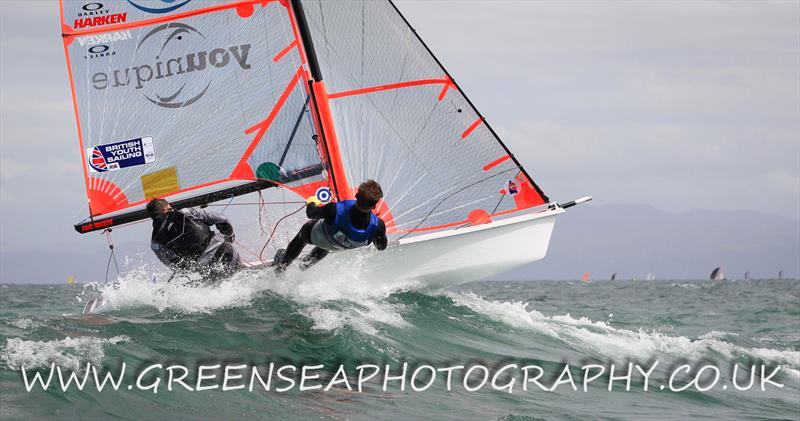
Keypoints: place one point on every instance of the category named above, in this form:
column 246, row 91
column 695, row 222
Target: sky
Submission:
column 679, row 105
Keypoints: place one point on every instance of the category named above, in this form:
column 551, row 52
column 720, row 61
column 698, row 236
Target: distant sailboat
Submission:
column 585, row 277
column 717, row 275
column 651, row 276
column 614, row 276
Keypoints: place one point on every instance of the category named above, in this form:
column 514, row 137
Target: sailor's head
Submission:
column 158, row 207
column 368, row 195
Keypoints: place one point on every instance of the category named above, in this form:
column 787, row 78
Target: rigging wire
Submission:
column 451, row 195
column 228, row 204
column 274, row 228
column 259, row 204
column 111, row 255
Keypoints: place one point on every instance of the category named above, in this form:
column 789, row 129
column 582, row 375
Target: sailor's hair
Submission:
column 369, row 193
column 156, row 207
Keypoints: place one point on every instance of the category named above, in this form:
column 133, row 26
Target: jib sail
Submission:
column 190, row 100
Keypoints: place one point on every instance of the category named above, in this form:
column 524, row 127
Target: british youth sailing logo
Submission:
column 167, row 6
column 115, row 156
column 170, row 78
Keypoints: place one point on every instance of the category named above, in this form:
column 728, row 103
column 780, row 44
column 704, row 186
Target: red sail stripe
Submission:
column 471, row 128
column 386, row 87
column 496, row 162
column 285, row 51
column 264, row 125
column 446, row 87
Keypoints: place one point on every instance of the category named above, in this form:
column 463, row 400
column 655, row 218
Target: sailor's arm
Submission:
column 380, row 236
column 217, row 219
column 326, row 211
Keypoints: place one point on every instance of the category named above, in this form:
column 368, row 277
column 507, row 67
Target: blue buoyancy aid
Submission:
column 343, row 234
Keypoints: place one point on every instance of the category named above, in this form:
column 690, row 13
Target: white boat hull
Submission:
column 449, row 257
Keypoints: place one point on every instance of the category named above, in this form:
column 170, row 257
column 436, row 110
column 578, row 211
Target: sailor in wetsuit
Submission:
column 183, row 239
column 338, row 226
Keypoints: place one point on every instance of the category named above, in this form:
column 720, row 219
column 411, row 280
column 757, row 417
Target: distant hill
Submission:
column 633, row 240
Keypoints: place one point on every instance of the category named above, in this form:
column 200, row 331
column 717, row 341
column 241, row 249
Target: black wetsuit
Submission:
column 183, row 240
column 327, row 212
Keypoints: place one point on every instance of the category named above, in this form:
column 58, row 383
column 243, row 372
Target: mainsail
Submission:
column 193, row 100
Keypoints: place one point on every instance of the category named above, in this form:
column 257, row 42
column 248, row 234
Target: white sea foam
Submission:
column 25, row 323
column 601, row 339
column 363, row 317
column 66, row 353
column 320, row 298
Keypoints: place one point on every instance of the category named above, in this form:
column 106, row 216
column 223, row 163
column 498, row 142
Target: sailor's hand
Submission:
column 230, row 237
column 314, row 200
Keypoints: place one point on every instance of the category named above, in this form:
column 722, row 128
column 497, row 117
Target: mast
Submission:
column 319, row 96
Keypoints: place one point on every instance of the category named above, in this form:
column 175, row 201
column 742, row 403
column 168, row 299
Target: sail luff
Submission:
column 482, row 118
column 67, row 41
column 320, row 99
column 311, row 71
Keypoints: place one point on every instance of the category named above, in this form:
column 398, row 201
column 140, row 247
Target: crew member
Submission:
column 337, row 226
column 184, row 240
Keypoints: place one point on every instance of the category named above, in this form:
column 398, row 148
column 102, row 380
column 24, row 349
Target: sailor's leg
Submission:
column 297, row 244
column 225, row 261
column 312, row 258
column 318, row 254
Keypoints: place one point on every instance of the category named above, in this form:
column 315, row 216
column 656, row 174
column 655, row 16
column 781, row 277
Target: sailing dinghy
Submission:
column 199, row 101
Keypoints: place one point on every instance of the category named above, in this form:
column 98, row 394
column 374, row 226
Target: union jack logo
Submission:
column 97, row 161
column 512, row 187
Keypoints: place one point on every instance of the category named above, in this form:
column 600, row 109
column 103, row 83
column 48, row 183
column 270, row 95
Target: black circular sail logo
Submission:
column 91, row 7
column 98, row 49
column 175, row 65
column 172, row 73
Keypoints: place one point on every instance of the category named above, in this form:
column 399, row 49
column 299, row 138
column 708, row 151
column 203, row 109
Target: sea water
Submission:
column 505, row 332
